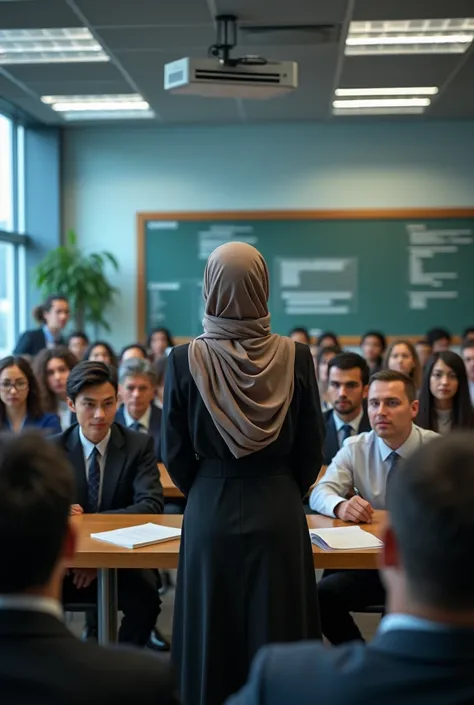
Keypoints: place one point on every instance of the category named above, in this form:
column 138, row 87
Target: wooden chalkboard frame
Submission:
column 372, row 214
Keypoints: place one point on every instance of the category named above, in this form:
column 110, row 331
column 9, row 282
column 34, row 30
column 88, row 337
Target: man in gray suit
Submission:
column 423, row 652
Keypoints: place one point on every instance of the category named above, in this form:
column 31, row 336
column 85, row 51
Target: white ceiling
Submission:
column 142, row 35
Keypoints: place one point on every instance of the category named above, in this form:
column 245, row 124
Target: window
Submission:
column 7, row 298
column 6, row 174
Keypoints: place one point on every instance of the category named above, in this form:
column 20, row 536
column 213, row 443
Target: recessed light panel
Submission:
column 48, row 46
column 99, row 107
column 443, row 36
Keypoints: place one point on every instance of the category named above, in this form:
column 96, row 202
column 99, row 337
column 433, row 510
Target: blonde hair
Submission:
column 416, row 373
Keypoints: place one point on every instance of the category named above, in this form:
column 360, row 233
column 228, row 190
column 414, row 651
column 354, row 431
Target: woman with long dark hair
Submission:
column 20, row 402
column 52, row 368
column 401, row 356
column 101, row 351
column 445, row 403
column 159, row 341
column 53, row 317
column 242, row 438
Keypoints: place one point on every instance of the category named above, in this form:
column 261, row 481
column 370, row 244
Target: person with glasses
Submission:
column 20, row 403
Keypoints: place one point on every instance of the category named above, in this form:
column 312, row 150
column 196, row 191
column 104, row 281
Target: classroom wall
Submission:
column 108, row 174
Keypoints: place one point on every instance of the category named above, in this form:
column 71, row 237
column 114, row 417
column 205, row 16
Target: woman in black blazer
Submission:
column 53, row 316
column 242, row 438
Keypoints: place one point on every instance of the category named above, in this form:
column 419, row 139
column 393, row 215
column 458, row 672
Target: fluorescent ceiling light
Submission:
column 86, row 107
column 378, row 111
column 410, row 37
column 47, row 46
column 382, row 103
column 359, row 92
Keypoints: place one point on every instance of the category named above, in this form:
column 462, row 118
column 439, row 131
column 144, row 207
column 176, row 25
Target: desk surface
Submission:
column 169, row 488
column 98, row 554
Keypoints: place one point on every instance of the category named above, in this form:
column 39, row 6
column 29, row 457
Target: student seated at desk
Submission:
column 132, row 351
column 401, row 356
column 300, row 335
column 101, row 351
column 348, row 379
column 115, row 472
column 20, row 402
column 78, row 342
column 445, row 403
column 363, row 466
column 439, row 339
column 40, row 659
column 52, row 367
column 321, row 369
column 423, row 652
column 373, row 346
column 160, row 341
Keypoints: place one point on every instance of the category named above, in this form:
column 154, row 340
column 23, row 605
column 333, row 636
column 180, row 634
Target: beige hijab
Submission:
column 244, row 373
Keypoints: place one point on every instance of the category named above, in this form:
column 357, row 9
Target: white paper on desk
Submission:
column 137, row 536
column 341, row 538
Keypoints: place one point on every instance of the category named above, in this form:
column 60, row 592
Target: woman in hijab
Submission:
column 242, row 438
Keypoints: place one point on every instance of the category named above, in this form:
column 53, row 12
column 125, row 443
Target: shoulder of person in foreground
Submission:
column 148, row 677
column 303, row 673
column 426, row 434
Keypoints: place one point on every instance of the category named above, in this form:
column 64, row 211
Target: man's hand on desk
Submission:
column 356, row 509
column 76, row 509
column 83, row 577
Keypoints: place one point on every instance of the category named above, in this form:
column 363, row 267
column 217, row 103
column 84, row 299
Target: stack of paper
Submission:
column 137, row 536
column 344, row 538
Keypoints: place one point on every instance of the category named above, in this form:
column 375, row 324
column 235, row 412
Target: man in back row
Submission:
column 362, row 468
column 423, row 652
column 41, row 662
column 348, row 380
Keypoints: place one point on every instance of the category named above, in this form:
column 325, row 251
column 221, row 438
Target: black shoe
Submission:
column 89, row 633
column 157, row 641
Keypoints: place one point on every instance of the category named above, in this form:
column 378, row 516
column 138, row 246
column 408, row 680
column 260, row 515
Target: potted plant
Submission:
column 81, row 278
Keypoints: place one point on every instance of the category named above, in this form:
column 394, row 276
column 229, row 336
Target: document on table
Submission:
column 344, row 538
column 138, row 536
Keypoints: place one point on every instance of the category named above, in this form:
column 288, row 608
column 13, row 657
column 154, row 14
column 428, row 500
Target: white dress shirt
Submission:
column 87, row 448
column 64, row 413
column 144, row 421
column 32, row 603
column 363, row 462
column 339, row 424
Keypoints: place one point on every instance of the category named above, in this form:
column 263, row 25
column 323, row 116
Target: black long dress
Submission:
column 246, row 575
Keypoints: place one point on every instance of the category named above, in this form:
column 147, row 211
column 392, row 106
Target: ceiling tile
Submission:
column 385, row 71
column 178, row 39
column 101, row 71
column 284, row 11
column 37, row 14
column 412, row 9
column 132, row 13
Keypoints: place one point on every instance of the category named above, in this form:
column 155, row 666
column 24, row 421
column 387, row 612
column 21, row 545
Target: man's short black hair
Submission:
column 395, row 376
column 430, row 503
column 36, row 491
column 436, row 334
column 349, row 361
column 468, row 331
column 301, row 331
column 78, row 334
column 467, row 345
column 89, row 374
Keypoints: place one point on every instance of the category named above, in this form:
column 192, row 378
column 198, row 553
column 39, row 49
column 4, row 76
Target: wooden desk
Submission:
column 107, row 558
column 169, row 488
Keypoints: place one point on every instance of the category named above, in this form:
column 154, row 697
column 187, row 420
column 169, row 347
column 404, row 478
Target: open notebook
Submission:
column 342, row 538
column 137, row 536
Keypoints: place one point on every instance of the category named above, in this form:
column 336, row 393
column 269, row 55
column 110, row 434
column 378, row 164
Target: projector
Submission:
column 249, row 78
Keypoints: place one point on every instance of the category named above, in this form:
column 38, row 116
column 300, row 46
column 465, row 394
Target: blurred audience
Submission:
column 52, row 367
column 78, row 342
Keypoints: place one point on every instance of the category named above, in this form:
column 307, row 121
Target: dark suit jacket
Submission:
column 154, row 430
column 42, row 663
column 331, row 442
column 398, row 667
column 31, row 342
column 131, row 482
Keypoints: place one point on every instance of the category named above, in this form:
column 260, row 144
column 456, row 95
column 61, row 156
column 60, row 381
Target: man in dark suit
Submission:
column 137, row 386
column 348, row 379
column 423, row 652
column 41, row 662
column 115, row 472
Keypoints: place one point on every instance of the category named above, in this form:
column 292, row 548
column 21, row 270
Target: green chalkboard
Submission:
column 398, row 272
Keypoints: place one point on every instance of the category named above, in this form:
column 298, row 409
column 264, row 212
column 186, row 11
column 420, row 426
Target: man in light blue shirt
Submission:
column 361, row 468
column 423, row 652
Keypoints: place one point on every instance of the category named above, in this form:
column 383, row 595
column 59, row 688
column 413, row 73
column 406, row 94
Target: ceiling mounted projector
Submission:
column 222, row 76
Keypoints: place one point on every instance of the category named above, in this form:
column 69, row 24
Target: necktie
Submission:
column 346, row 432
column 394, row 458
column 93, row 481
column 137, row 426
